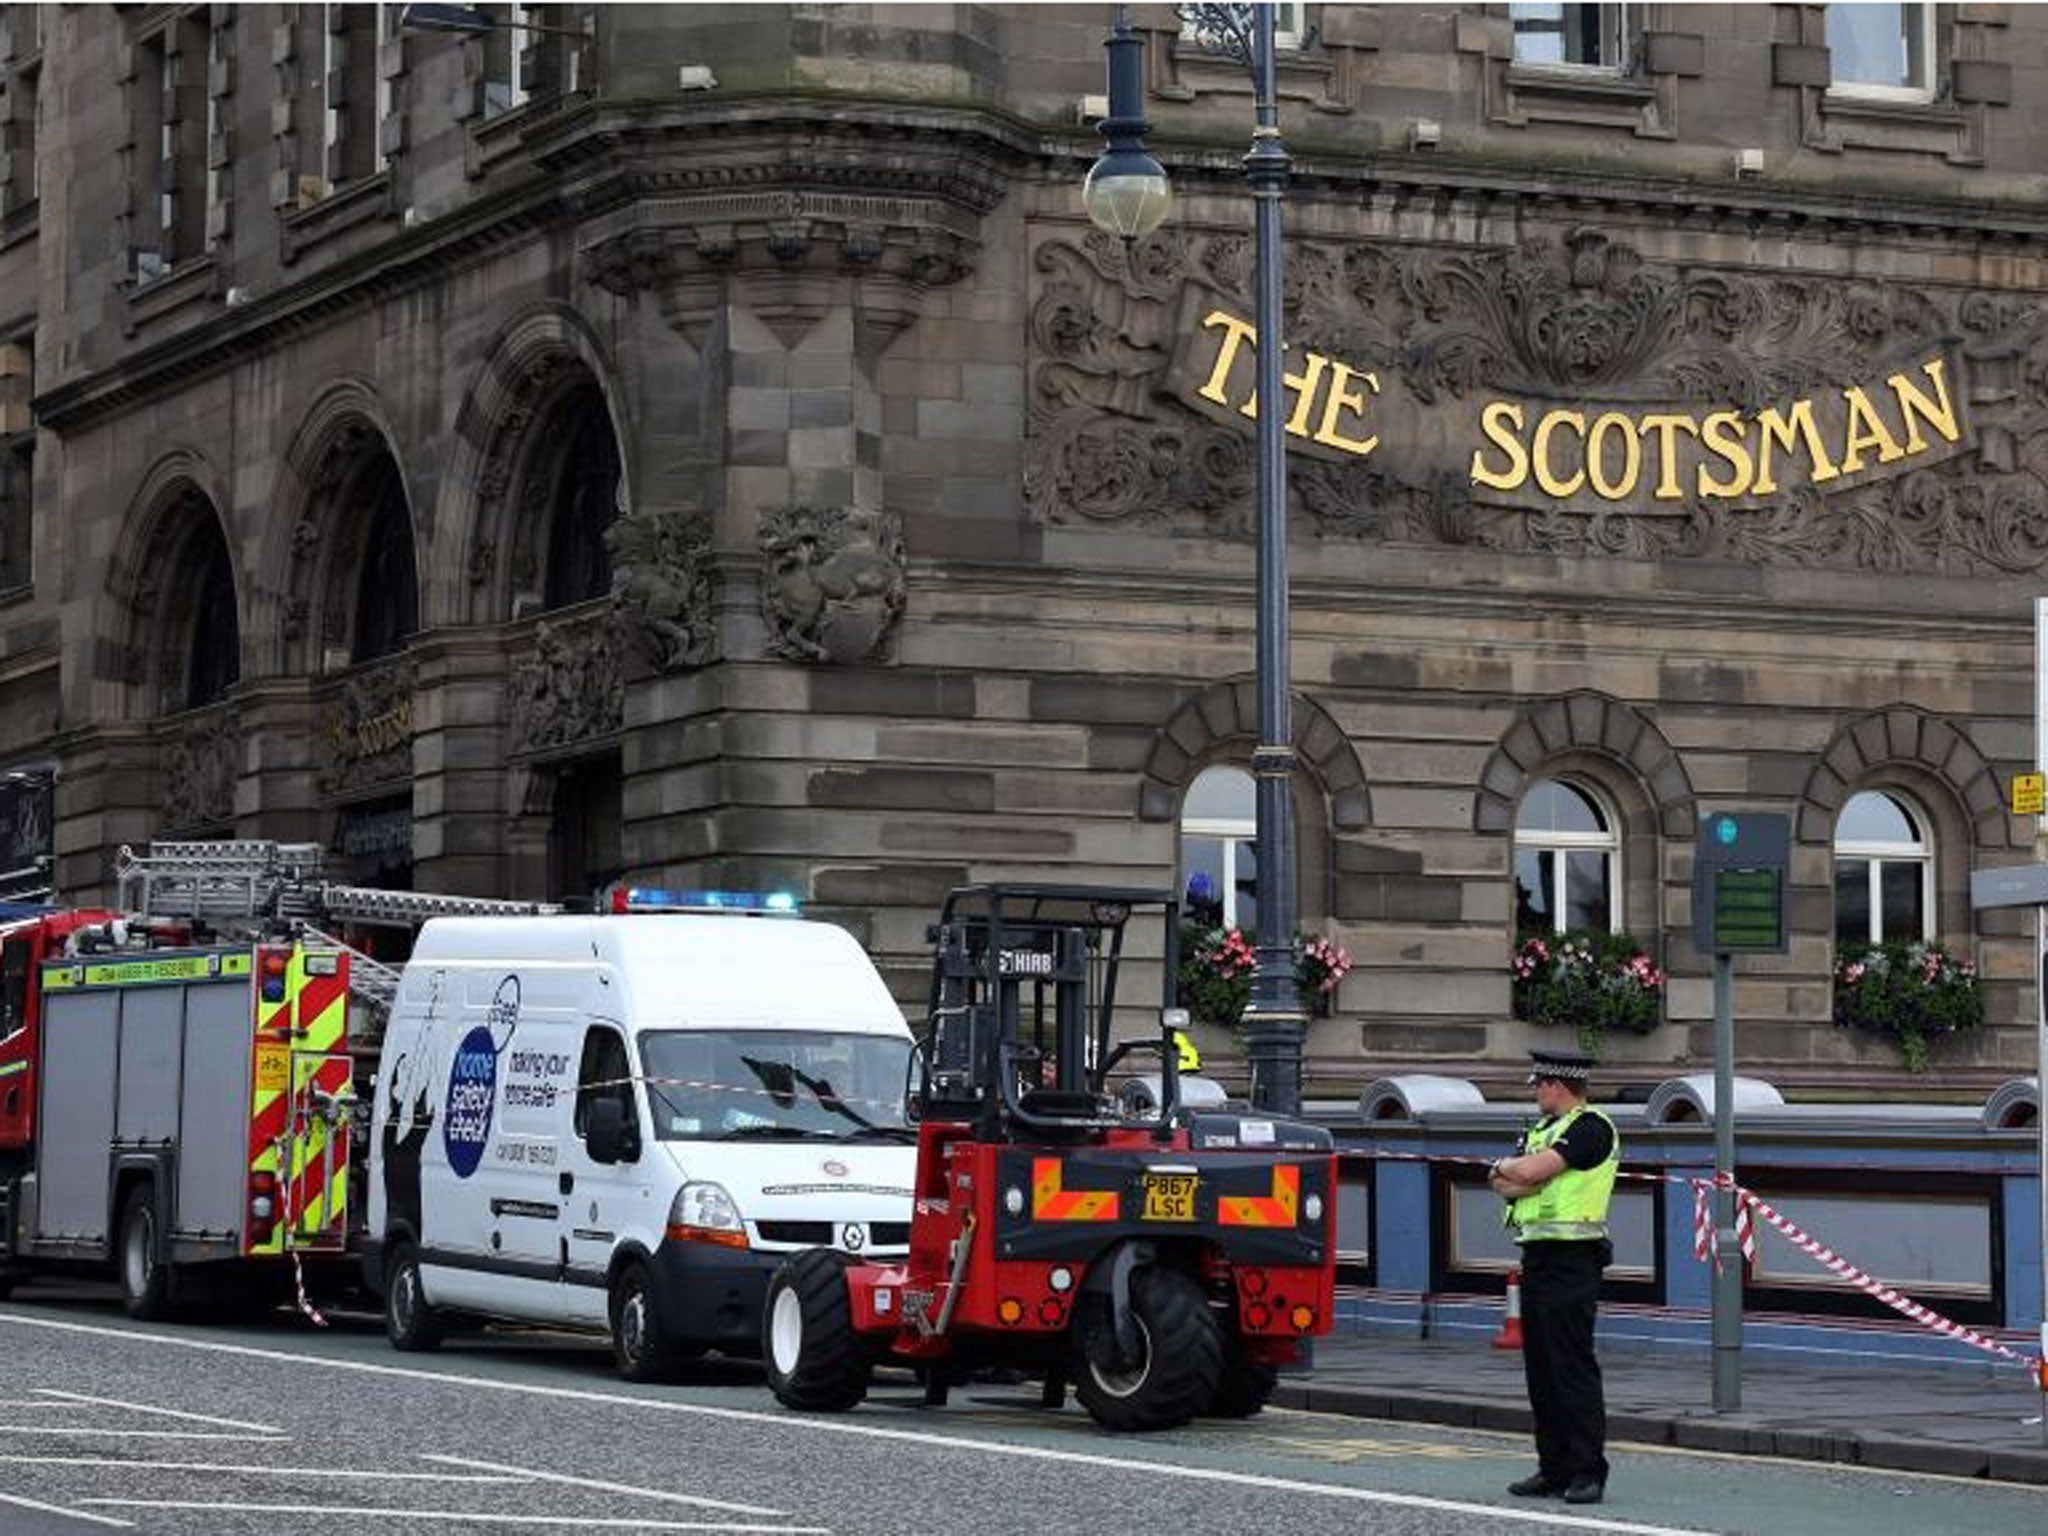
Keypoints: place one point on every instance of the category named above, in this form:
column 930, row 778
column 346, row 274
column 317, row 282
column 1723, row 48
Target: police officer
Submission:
column 1557, row 1188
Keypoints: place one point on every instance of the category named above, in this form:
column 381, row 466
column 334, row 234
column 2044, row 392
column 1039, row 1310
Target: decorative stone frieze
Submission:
column 661, row 580
column 367, row 728
column 202, row 762
column 567, row 687
column 1119, row 429
column 832, row 582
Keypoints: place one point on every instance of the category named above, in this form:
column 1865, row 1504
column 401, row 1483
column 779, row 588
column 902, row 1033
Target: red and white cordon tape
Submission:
column 284, row 1159
column 1706, row 1242
column 1828, row 1259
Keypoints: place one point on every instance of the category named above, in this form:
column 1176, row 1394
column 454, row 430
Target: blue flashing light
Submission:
column 753, row 903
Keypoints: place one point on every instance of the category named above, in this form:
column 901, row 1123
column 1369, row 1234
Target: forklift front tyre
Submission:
column 1174, row 1373
column 816, row 1362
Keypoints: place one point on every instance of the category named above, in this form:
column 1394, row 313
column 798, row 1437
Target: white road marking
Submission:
column 257, row 1471
column 592, row 1482
column 133, row 1434
column 825, row 1426
column 466, row 1516
column 69, row 1514
column 168, row 1413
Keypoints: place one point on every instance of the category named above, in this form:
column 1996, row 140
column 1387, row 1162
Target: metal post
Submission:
column 1273, row 1019
column 1728, row 1252
column 2041, row 988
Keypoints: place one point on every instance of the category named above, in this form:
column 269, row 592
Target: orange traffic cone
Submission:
column 1510, row 1335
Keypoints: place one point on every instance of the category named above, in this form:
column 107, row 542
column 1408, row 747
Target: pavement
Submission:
column 1963, row 1421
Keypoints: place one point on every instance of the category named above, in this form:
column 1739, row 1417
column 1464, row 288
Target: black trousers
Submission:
column 1560, row 1292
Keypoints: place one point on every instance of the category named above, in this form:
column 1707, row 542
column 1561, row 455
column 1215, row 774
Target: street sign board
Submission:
column 2029, row 794
column 1740, row 870
column 2020, row 885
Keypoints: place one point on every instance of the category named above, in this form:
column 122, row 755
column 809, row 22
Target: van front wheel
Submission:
column 639, row 1348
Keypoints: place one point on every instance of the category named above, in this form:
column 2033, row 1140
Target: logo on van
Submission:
column 473, row 1081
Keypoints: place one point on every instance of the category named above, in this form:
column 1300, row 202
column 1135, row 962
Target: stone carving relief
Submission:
column 661, row 582
column 368, row 733
column 1113, row 436
column 202, row 761
column 832, row 582
column 568, row 687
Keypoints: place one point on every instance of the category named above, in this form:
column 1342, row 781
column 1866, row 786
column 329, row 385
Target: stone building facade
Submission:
column 716, row 449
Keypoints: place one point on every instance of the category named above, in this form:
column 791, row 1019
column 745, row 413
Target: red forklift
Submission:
column 1164, row 1262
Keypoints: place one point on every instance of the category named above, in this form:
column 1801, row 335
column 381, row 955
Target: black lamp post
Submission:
column 1273, row 1021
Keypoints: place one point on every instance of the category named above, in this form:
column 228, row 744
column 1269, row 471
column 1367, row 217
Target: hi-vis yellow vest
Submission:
column 1573, row 1206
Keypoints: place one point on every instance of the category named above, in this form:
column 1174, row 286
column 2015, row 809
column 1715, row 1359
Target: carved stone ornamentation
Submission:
column 661, row 581
column 368, row 733
column 202, row 762
column 832, row 583
column 1119, row 431
column 569, row 687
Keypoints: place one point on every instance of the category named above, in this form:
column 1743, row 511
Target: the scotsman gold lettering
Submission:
column 1339, row 398
column 1502, row 422
column 1612, row 454
column 1913, row 405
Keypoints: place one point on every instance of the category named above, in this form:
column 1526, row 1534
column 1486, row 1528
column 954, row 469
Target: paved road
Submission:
column 202, row 1431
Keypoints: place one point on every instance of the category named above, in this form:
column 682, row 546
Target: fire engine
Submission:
column 179, row 1074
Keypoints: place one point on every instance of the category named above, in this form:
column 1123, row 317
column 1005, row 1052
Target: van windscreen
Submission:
column 712, row 1085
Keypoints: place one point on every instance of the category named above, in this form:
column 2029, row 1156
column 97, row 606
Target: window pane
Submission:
column 1875, row 818
column 1876, row 44
column 1221, row 794
column 1201, row 877
column 1852, row 901
column 1566, row 34
column 1245, row 863
column 1899, row 897
column 1533, row 867
column 1588, row 902
column 1553, row 806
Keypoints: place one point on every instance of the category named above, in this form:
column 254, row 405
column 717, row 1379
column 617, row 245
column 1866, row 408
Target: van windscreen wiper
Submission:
column 776, row 1133
column 901, row 1133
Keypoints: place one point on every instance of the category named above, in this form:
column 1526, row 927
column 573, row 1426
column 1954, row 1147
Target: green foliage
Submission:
column 1916, row 993
column 1589, row 980
column 1214, row 981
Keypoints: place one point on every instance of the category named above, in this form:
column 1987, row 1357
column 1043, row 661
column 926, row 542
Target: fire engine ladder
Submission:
column 254, row 884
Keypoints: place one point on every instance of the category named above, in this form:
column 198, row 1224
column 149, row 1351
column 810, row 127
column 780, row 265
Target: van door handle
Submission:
column 566, row 1182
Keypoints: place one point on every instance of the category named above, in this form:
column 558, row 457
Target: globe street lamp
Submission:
column 1132, row 202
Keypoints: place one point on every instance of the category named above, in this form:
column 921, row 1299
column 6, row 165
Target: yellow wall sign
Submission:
column 1592, row 454
column 2029, row 794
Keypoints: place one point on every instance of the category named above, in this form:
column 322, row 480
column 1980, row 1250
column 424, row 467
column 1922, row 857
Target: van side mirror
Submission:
column 607, row 1135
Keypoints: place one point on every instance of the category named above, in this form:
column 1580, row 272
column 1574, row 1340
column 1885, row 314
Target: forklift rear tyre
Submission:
column 816, row 1362
column 147, row 1290
column 410, row 1323
column 639, row 1348
column 1246, row 1386
column 1179, row 1361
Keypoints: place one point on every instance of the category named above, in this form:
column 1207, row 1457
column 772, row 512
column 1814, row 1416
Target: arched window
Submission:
column 1567, row 860
column 1218, row 851
column 213, row 659
column 388, row 593
column 1884, row 871
column 586, row 500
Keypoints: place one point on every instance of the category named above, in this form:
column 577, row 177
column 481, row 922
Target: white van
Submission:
column 627, row 1122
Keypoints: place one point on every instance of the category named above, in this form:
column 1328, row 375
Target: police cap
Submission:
column 1565, row 1066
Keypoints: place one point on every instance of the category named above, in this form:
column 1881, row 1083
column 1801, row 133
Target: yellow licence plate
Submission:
column 1170, row 1196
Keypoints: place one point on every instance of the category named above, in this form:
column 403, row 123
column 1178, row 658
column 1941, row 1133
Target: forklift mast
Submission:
column 1022, row 1007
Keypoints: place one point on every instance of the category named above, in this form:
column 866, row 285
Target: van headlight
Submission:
column 705, row 1213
